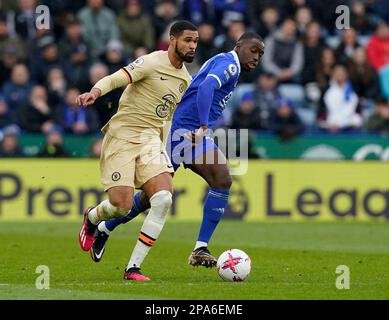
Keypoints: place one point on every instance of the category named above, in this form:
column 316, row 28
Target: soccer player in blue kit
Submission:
column 189, row 143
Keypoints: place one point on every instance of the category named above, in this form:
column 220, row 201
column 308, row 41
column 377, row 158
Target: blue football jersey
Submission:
column 225, row 68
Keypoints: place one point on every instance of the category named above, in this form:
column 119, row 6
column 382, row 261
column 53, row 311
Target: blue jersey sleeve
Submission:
column 205, row 98
column 223, row 71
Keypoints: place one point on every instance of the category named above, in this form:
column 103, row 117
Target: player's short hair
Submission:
column 178, row 27
column 250, row 35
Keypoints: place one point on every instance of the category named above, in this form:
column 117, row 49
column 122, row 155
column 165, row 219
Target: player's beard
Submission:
column 183, row 56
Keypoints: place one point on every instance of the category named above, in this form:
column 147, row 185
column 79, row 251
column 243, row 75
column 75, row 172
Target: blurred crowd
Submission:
column 315, row 75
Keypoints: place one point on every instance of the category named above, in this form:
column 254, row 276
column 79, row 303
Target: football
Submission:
column 233, row 265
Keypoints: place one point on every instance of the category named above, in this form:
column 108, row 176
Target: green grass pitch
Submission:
column 290, row 261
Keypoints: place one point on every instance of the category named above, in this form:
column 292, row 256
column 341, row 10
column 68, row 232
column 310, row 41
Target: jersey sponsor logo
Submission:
column 116, row 176
column 232, row 69
column 138, row 61
column 224, row 101
column 227, row 75
column 166, row 108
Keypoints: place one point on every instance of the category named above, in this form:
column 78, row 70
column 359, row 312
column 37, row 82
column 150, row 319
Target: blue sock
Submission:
column 214, row 206
column 136, row 210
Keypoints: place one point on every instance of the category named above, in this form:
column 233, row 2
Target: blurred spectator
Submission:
column 36, row 115
column 266, row 94
column 379, row 119
column 75, row 119
column 303, row 17
column 324, row 67
column 56, row 85
column 98, row 26
column 234, row 31
column 227, row 11
column 116, row 5
column 284, row 121
column 164, row 39
column 49, row 59
column 95, row 148
column 378, row 47
column 5, row 116
column 383, row 76
column 24, row 20
column 9, row 147
column 8, row 59
column 341, row 102
column 363, row 78
column 60, row 12
column 7, row 41
column 360, row 19
column 197, row 11
column 53, row 147
column 166, row 12
column 37, row 44
column 289, row 8
column 284, row 55
column 205, row 47
column 347, row 47
column 74, row 49
column 136, row 29
column 247, row 115
column 263, row 21
column 313, row 47
column 17, row 89
column 114, row 57
column 106, row 106
column 140, row 51
column 380, row 8
column 323, row 11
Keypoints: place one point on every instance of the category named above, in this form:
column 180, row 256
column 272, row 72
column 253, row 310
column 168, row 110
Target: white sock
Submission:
column 160, row 203
column 105, row 211
column 200, row 244
column 103, row 228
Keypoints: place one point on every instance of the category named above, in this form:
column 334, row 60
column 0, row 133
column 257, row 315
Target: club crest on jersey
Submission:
column 116, row 176
column 166, row 108
column 138, row 61
column 232, row 69
column 181, row 88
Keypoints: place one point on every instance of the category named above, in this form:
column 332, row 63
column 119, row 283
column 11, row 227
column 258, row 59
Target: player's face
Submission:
column 250, row 52
column 186, row 45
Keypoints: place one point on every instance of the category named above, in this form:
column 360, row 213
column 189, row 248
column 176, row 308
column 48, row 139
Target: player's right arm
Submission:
column 116, row 80
column 135, row 71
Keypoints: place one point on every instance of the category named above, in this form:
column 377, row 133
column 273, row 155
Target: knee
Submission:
column 124, row 203
column 222, row 182
column 162, row 200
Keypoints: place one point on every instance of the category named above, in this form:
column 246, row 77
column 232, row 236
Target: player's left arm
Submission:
column 216, row 78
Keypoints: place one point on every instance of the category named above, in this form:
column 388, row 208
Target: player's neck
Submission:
column 174, row 60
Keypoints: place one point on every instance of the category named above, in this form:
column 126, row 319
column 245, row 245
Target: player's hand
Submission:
column 197, row 137
column 86, row 99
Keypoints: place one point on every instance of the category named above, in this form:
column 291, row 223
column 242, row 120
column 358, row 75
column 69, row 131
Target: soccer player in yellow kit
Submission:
column 133, row 153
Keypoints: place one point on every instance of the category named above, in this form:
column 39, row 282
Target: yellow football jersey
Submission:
column 147, row 104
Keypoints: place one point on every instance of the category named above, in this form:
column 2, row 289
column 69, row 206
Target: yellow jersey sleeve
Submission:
column 139, row 69
column 116, row 80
